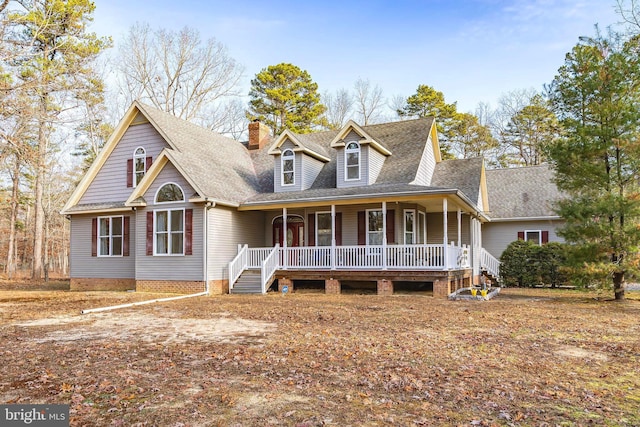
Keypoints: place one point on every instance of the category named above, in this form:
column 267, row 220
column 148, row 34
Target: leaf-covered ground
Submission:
column 525, row 358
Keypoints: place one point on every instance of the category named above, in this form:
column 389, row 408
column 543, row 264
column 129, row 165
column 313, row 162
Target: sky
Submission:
column 471, row 50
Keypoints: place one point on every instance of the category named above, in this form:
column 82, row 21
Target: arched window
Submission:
column 139, row 165
column 169, row 193
column 352, row 161
column 288, row 167
column 172, row 227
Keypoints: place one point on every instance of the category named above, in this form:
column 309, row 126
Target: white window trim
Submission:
column 137, row 156
column 109, row 255
column 318, row 222
column 346, row 156
column 293, row 163
column 155, row 232
column 367, row 225
column 155, row 197
column 404, row 226
column 534, row 231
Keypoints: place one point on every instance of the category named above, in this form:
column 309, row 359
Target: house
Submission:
column 170, row 206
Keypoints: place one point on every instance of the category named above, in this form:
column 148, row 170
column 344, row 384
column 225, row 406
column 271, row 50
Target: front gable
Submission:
column 110, row 177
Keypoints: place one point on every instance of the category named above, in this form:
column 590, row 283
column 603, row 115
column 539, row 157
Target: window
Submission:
column 169, row 193
column 352, row 161
column 323, row 228
column 110, row 236
column 375, row 223
column 139, row 165
column 288, row 165
column 534, row 236
column 169, row 232
column 409, row 227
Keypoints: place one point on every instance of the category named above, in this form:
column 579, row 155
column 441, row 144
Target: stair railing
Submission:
column 238, row 265
column 490, row 263
column 269, row 266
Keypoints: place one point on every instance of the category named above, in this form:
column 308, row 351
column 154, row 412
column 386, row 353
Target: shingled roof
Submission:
column 463, row 174
column 526, row 192
column 222, row 167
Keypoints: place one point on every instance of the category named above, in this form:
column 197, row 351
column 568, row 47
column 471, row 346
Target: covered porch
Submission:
column 369, row 242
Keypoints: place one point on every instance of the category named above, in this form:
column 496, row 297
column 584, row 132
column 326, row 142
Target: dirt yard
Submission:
column 525, row 358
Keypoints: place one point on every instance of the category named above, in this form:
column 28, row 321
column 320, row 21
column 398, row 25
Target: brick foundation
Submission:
column 218, row 287
column 92, row 284
column 332, row 286
column 385, row 287
column 170, row 286
column 285, row 282
column 441, row 288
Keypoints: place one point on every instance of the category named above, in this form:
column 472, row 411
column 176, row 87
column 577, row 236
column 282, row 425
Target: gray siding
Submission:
column 83, row 265
column 376, row 161
column 496, row 236
column 311, row 167
column 179, row 267
column 110, row 183
column 427, row 165
column 435, row 228
column 228, row 228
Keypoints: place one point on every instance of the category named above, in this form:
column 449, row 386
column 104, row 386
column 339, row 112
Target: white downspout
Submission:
column 333, row 237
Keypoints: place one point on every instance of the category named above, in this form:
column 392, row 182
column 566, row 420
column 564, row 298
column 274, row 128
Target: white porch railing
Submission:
column 396, row 257
column 269, row 266
column 238, row 264
column 489, row 263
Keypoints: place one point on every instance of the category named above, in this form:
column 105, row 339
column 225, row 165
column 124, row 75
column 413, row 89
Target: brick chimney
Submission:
column 259, row 135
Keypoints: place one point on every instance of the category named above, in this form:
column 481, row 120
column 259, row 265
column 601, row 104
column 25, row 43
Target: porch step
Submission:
column 248, row 283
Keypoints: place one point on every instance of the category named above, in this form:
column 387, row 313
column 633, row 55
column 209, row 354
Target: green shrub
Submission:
column 527, row 264
column 517, row 264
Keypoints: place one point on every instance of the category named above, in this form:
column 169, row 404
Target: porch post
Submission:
column 284, row 239
column 384, row 235
column 445, row 234
column 459, row 228
column 333, row 237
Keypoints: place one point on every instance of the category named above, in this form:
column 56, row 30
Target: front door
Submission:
column 295, row 231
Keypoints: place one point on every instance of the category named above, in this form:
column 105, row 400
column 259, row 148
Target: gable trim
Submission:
column 287, row 135
column 338, row 140
column 135, row 199
column 124, row 124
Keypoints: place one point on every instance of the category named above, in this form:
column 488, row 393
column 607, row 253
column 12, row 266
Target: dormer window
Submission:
column 288, row 165
column 352, row 161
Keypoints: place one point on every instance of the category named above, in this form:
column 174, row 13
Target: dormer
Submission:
column 359, row 157
column 297, row 162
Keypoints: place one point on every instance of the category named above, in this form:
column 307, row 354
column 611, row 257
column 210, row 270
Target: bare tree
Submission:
column 368, row 101
column 508, row 106
column 228, row 118
column 629, row 10
column 176, row 72
column 339, row 107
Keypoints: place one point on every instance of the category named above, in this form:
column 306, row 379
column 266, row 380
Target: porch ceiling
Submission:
column 428, row 197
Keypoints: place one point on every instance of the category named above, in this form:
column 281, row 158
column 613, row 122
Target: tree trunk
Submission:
column 38, row 222
column 15, row 193
column 618, row 285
